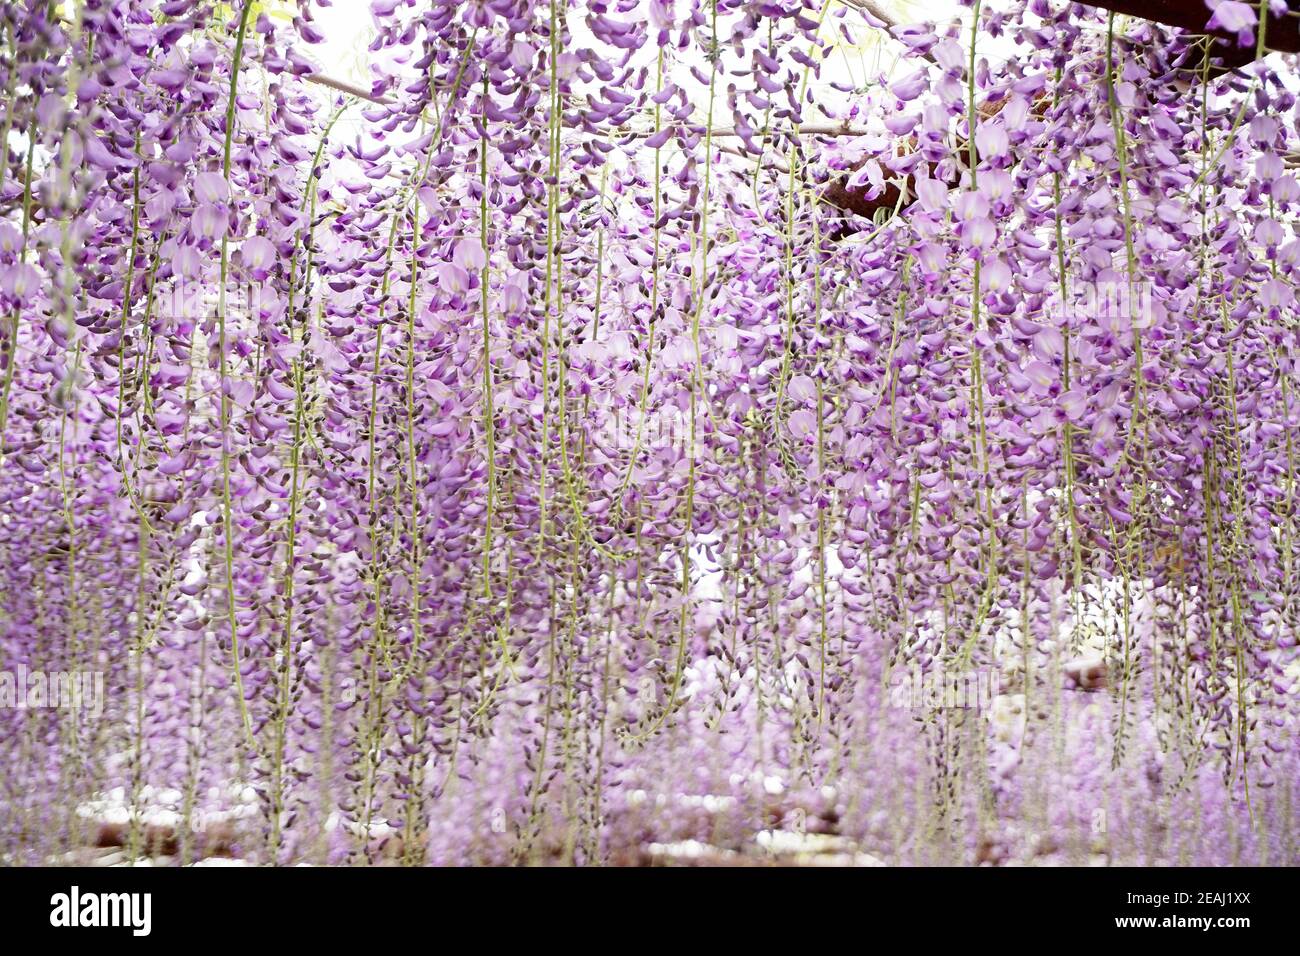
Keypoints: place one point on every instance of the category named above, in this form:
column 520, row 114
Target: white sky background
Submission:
column 349, row 27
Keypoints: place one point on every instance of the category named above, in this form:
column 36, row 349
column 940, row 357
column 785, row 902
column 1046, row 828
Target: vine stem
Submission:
column 643, row 404
column 489, row 413
column 308, row 205
column 697, row 386
column 990, row 549
column 227, row 522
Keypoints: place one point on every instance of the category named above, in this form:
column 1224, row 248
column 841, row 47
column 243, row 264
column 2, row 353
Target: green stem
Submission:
column 227, row 522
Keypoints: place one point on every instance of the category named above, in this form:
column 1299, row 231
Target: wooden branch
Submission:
column 343, row 86
column 839, row 194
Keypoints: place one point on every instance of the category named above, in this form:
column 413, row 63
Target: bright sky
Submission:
column 349, row 28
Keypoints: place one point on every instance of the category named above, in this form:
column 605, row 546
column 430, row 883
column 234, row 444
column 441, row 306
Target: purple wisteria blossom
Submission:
column 641, row 432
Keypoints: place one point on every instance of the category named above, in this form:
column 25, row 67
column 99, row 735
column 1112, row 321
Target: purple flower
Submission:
column 991, row 141
column 469, row 255
column 20, row 281
column 452, row 278
column 211, row 188
column 257, row 255
column 1233, row 16
column 932, row 194
column 209, row 221
column 910, row 87
column 1073, row 403
column 802, row 424
column 514, row 296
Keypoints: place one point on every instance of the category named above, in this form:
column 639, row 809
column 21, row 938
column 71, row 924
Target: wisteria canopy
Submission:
column 649, row 432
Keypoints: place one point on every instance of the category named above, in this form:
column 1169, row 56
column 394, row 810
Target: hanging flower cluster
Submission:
column 526, row 460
